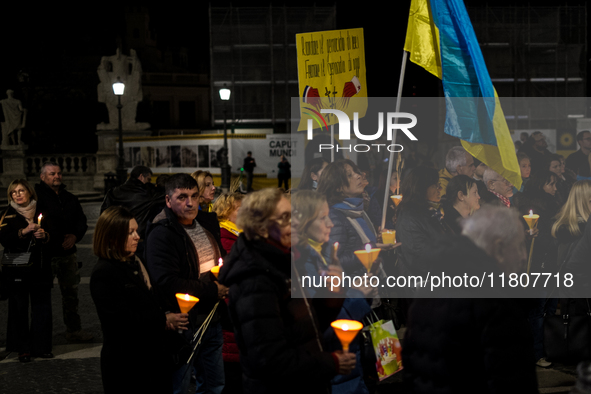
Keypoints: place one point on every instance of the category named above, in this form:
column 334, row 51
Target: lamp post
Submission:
column 119, row 89
column 226, row 168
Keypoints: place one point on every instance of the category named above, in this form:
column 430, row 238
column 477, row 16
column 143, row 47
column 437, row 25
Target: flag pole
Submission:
column 391, row 160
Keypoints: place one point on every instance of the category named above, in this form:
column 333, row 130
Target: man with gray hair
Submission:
column 471, row 337
column 499, row 189
column 457, row 162
column 65, row 221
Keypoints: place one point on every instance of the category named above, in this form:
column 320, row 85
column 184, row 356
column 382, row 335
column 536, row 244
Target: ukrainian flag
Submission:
column 440, row 38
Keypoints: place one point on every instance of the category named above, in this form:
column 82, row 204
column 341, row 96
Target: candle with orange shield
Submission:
column 532, row 222
column 396, row 198
column 346, row 331
column 216, row 269
column 367, row 256
column 186, row 302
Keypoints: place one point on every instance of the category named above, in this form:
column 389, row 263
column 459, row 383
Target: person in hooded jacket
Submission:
column 277, row 329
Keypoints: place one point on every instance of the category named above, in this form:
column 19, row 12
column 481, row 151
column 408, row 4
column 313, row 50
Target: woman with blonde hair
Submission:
column 572, row 218
column 207, row 217
column 226, row 208
column 206, row 189
column 20, row 232
column 313, row 232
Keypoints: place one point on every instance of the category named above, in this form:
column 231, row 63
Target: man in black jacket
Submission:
column 180, row 253
column 65, row 221
column 249, row 165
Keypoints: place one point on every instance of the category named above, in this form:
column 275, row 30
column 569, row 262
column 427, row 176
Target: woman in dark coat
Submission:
column 21, row 232
column 134, row 357
column 419, row 218
column 539, row 197
column 278, row 332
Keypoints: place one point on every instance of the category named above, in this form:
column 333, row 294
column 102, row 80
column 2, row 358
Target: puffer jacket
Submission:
column 277, row 334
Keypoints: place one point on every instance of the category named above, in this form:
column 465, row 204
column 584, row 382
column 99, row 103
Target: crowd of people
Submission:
column 256, row 328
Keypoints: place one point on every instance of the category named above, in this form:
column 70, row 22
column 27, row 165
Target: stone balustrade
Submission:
column 78, row 170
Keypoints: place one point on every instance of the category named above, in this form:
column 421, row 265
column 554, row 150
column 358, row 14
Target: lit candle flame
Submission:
column 367, row 247
column 220, row 262
column 39, row 218
column 336, row 246
column 531, row 213
column 187, row 297
column 345, row 327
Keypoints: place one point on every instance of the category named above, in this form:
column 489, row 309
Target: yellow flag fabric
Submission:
column 440, row 38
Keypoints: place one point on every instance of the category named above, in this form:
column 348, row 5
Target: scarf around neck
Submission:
column 230, row 226
column 353, row 209
column 27, row 212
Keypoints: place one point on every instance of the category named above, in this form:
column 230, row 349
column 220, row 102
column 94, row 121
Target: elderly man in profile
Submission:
column 499, row 189
column 457, row 162
column 464, row 339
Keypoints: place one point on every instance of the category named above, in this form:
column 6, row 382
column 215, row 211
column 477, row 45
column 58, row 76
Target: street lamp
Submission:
column 226, row 169
column 119, row 89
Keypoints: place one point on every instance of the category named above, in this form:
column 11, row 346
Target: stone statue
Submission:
column 14, row 120
column 129, row 70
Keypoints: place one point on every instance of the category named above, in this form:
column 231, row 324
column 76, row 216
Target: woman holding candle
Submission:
column 342, row 183
column 278, row 332
column 314, row 227
column 134, row 357
column 20, row 232
column 462, row 200
column 539, row 197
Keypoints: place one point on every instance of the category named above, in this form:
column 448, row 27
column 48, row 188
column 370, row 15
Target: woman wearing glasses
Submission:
column 276, row 329
column 20, row 232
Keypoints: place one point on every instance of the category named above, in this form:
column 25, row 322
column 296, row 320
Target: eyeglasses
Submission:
column 19, row 192
column 284, row 220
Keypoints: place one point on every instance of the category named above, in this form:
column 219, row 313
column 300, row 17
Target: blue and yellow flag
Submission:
column 440, row 38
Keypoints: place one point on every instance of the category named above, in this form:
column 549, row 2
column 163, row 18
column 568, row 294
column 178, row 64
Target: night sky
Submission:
column 59, row 48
